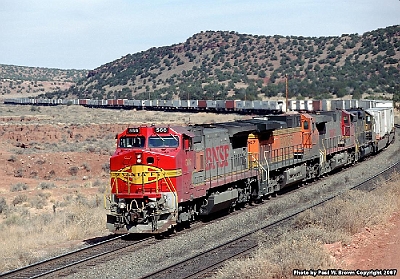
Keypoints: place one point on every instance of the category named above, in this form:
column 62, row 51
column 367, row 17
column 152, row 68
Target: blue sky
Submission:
column 84, row 34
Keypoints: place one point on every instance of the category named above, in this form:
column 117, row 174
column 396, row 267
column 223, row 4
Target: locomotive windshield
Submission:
column 163, row 141
column 129, row 142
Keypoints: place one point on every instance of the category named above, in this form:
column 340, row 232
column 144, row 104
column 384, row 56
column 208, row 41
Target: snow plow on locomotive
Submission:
column 162, row 176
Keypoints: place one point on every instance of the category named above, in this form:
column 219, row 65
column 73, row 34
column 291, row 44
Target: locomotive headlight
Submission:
column 138, row 158
column 121, row 203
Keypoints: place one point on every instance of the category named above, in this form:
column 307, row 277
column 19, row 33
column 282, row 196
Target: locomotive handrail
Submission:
column 261, row 166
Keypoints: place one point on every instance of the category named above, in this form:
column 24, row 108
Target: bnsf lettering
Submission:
column 217, row 157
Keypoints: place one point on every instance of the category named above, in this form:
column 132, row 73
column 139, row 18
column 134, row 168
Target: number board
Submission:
column 161, row 129
column 133, row 130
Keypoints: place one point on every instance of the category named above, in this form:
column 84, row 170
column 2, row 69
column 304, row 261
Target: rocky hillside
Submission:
column 230, row 65
column 20, row 81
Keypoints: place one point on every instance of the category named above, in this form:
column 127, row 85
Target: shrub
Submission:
column 96, row 183
column 91, row 149
column 73, row 171
column 40, row 161
column 46, row 185
column 12, row 158
column 38, row 202
column 3, row 205
column 86, row 167
column 19, row 172
column 106, row 167
column 18, row 187
column 19, row 199
column 19, row 151
column 34, row 108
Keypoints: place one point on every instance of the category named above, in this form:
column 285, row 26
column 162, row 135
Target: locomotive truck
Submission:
column 162, row 176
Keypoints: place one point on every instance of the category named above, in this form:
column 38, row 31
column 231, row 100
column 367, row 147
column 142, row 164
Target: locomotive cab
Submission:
column 144, row 171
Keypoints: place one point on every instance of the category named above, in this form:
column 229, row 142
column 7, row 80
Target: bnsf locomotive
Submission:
column 162, row 176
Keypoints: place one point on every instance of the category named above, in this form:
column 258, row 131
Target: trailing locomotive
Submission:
column 162, row 176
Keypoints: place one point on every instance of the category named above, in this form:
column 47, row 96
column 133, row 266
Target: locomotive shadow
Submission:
column 129, row 237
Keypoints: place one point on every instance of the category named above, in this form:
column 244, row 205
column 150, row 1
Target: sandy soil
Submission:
column 376, row 248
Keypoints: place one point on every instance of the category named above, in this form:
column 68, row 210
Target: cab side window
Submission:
column 305, row 125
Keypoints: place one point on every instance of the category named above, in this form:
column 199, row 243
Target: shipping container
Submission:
column 292, row 105
column 202, row 104
column 176, row 104
column 248, row 105
column 366, row 104
column 309, row 105
column 230, row 105
column 383, row 103
column 239, row 105
column 137, row 103
column 326, row 105
column 193, row 104
column 384, row 120
column 211, row 104
column 220, row 105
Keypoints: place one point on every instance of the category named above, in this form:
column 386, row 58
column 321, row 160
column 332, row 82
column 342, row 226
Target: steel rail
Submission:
column 69, row 259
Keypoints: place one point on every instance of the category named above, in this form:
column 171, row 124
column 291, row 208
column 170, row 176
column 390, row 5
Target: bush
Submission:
column 86, row 167
column 38, row 202
column 12, row 158
column 19, row 199
column 46, row 185
column 40, row 161
column 73, row 171
column 18, row 187
column 19, row 172
column 3, row 205
column 106, row 167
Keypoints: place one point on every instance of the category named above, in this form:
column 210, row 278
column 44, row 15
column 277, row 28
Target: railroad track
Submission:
column 204, row 264
column 56, row 264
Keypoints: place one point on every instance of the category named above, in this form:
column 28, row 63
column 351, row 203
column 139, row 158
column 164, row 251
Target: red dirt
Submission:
column 24, row 157
column 373, row 248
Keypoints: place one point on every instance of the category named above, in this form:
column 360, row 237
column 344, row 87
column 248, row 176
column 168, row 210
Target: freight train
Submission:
column 163, row 176
column 220, row 106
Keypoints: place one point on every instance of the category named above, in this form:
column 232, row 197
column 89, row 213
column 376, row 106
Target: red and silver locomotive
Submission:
column 161, row 176
column 165, row 175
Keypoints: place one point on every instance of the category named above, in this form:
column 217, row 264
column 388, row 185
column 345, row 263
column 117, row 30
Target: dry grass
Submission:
column 27, row 237
column 302, row 248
